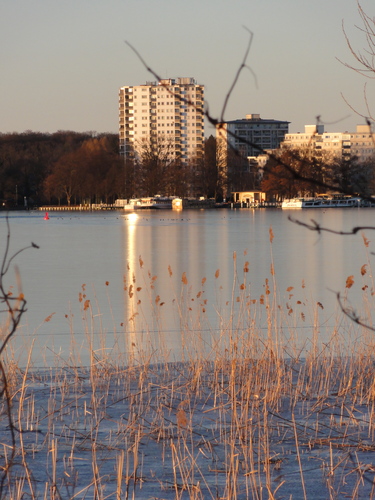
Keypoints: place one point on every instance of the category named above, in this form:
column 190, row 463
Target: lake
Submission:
column 175, row 282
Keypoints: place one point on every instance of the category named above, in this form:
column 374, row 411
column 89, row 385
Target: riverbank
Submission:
column 187, row 204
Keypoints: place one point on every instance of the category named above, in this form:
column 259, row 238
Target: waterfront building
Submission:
column 333, row 146
column 170, row 111
column 249, row 198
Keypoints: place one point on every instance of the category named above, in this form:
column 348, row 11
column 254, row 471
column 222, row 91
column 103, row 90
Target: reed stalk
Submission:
column 241, row 414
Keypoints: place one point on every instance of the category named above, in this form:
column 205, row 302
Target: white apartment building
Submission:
column 171, row 110
column 334, row 145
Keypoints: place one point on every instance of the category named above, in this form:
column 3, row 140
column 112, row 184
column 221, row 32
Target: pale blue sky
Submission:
column 62, row 61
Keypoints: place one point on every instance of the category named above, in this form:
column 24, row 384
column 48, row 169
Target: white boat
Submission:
column 156, row 202
column 322, row 201
column 293, row 203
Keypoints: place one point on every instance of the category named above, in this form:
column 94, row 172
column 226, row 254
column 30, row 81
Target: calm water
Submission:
column 96, row 257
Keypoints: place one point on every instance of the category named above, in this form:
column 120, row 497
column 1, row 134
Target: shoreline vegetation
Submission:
column 256, row 414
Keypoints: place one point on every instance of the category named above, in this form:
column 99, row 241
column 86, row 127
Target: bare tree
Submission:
column 154, row 164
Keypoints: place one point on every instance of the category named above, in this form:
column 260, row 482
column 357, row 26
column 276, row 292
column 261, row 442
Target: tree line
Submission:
column 64, row 167
column 71, row 168
column 298, row 172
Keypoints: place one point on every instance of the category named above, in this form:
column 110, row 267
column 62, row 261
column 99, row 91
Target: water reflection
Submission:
column 181, row 282
column 190, row 289
column 130, row 308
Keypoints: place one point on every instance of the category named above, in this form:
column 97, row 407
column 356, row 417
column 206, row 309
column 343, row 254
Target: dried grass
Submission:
column 256, row 412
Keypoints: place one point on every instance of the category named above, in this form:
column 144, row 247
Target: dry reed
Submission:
column 250, row 411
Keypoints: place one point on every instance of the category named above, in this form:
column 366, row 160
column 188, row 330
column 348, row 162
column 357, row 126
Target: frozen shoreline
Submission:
column 233, row 428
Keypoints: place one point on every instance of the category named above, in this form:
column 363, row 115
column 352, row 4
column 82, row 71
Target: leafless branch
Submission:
column 239, row 71
column 14, row 308
column 350, row 313
column 364, row 59
column 315, row 226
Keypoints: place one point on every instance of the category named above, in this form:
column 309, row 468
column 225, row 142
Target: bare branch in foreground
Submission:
column 14, row 308
column 351, row 314
column 239, row 71
column 315, row 226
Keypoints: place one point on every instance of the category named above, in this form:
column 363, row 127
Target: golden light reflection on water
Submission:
column 162, row 314
column 130, row 306
column 169, row 297
column 177, row 304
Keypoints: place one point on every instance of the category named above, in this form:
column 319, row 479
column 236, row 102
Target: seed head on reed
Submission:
column 182, row 421
column 365, row 240
column 364, row 269
column 349, row 282
column 271, row 234
column 48, row 318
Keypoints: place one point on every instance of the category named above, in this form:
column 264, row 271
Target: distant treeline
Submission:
column 63, row 167
column 71, row 168
column 79, row 168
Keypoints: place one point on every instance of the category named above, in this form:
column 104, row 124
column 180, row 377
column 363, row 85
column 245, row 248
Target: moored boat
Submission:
column 156, row 202
column 322, row 201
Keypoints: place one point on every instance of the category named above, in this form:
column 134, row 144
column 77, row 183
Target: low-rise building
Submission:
column 249, row 198
column 334, row 145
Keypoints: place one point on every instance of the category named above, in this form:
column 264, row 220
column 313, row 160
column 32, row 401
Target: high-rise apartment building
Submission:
column 169, row 111
column 252, row 135
column 241, row 145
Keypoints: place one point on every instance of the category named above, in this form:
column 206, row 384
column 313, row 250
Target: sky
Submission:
column 63, row 61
